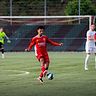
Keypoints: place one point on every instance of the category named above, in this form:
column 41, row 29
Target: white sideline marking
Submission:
column 19, row 72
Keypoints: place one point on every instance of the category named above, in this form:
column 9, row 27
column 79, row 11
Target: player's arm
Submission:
column 54, row 43
column 32, row 43
column 90, row 37
column 8, row 40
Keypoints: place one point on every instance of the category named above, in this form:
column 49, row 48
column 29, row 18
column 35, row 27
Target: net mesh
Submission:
column 70, row 30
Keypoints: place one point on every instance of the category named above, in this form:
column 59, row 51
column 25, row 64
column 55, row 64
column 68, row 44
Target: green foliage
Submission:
column 86, row 7
column 54, row 7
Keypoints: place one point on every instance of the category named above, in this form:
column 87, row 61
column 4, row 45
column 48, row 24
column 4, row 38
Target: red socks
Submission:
column 43, row 69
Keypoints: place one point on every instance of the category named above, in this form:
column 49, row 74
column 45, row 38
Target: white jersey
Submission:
column 90, row 43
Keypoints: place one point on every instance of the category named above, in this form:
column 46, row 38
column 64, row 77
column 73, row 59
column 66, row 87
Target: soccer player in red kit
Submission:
column 40, row 42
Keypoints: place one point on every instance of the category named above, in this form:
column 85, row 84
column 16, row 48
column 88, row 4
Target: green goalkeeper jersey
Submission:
column 2, row 36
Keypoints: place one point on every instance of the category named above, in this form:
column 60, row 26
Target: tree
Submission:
column 86, row 8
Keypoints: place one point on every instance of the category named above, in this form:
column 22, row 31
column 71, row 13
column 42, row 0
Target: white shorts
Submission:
column 90, row 49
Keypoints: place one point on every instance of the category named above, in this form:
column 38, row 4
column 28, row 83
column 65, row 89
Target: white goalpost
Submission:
column 45, row 19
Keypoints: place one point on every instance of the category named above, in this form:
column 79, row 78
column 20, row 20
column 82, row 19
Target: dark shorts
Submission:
column 1, row 45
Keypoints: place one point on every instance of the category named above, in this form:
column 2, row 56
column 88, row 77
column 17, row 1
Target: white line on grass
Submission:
column 20, row 73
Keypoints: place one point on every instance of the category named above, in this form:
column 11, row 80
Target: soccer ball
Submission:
column 50, row 76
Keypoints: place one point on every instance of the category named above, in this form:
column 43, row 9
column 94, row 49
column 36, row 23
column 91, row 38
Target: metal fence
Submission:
column 31, row 7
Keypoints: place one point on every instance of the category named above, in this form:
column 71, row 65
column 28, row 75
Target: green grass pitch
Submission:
column 70, row 78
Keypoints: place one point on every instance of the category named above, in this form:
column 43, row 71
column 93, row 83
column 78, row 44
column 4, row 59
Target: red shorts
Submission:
column 46, row 57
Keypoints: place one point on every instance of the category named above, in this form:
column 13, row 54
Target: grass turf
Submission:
column 70, row 78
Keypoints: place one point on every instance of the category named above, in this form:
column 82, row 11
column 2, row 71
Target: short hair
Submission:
column 40, row 27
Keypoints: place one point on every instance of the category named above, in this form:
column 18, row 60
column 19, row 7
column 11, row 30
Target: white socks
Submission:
column 86, row 61
column 95, row 61
column 3, row 56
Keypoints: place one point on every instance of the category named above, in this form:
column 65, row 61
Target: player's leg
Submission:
column 46, row 69
column 47, row 61
column 2, row 53
column 42, row 62
column 2, row 49
column 89, row 50
column 40, row 79
column 86, row 61
column 42, row 70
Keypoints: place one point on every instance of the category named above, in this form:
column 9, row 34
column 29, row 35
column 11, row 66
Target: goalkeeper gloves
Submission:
column 8, row 41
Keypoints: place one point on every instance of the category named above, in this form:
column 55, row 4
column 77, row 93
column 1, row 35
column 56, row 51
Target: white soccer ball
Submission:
column 50, row 76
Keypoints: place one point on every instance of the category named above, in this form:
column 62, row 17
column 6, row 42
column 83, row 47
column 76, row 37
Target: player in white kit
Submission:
column 90, row 45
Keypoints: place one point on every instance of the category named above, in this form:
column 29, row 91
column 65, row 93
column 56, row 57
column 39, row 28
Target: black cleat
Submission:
column 40, row 80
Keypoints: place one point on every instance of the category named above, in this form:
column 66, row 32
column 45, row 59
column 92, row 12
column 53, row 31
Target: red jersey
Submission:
column 41, row 44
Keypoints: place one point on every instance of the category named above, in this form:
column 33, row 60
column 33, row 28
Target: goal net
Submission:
column 69, row 30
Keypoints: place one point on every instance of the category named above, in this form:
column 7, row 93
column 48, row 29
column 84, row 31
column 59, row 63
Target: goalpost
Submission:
column 66, row 29
column 45, row 19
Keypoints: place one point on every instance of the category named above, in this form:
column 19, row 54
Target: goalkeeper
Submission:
column 2, row 37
